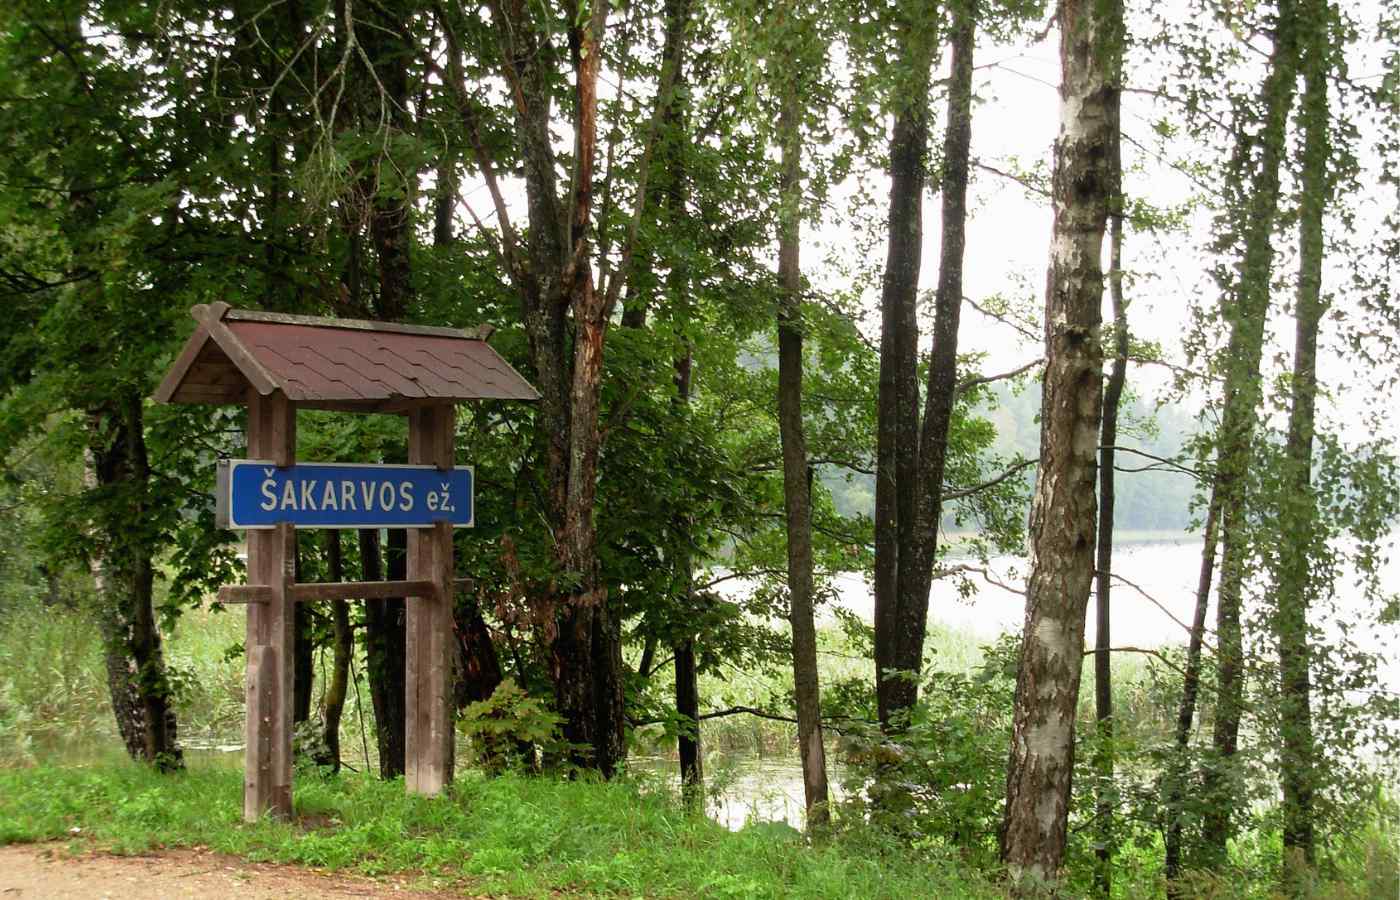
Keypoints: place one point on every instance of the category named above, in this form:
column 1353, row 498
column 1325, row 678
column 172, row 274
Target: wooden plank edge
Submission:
column 255, row 315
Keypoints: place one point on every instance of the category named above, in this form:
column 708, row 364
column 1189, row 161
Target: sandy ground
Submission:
column 53, row 872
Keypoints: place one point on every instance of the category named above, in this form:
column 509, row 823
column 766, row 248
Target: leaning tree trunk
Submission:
column 125, row 578
column 1246, row 308
column 797, row 482
column 1298, row 510
column 1175, row 779
column 1063, row 513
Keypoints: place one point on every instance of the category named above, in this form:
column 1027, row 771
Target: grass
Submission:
column 506, row 836
column 511, row 836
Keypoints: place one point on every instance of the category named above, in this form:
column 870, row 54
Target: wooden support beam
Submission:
column 429, row 653
column 245, row 593
column 362, row 590
column 267, row 782
column 340, row 590
column 258, row 376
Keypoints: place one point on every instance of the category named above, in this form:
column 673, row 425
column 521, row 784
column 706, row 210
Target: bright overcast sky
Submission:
column 1014, row 123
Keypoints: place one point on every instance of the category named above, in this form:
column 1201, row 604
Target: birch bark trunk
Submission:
column 1063, row 513
column 124, row 576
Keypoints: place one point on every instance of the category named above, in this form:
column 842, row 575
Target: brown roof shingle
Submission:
column 345, row 364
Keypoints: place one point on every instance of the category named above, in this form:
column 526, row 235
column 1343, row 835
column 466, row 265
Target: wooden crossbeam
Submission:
column 245, row 593
column 362, row 590
column 344, row 590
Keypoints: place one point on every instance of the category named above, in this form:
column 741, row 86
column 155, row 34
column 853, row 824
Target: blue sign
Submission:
column 257, row 494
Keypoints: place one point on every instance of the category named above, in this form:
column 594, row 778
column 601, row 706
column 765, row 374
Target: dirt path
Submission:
column 49, row 871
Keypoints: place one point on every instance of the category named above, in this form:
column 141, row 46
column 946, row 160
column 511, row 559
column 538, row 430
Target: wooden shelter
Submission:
column 274, row 364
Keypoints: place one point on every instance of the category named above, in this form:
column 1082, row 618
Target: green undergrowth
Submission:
column 506, row 836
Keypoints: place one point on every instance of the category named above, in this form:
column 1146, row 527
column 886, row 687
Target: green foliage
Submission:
column 510, row 714
column 941, row 780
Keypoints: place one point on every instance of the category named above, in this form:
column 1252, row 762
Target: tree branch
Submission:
column 1011, row 176
column 964, row 569
column 1155, row 653
column 1157, row 603
column 1162, row 463
column 1005, row 320
column 968, row 384
column 466, row 107
column 959, row 493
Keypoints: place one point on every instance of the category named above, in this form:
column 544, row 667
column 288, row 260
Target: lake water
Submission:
column 1151, row 612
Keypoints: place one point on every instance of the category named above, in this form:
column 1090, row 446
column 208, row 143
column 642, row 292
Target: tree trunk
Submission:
column 1298, row 510
column 688, row 747
column 343, row 647
column 445, row 203
column 1105, row 799
column 1063, row 512
column 896, row 447
column 384, row 657
column 125, row 580
column 587, row 657
column 797, row 479
column 388, row 48
column 479, row 667
column 1245, row 308
column 554, row 276
column 916, row 578
column 303, row 655
column 688, row 741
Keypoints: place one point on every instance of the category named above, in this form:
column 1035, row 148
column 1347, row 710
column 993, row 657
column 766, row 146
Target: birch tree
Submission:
column 1063, row 511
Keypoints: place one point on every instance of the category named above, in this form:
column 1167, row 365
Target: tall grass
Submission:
column 54, row 701
column 53, row 685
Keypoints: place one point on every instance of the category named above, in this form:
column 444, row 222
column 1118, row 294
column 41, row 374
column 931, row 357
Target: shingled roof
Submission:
column 343, row 364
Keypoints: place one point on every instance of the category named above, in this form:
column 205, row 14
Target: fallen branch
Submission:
column 828, row 721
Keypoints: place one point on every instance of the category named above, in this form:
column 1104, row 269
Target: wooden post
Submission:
column 428, row 681
column 267, row 765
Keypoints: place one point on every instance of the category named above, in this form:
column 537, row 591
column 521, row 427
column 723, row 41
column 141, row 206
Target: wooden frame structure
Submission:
column 273, row 364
